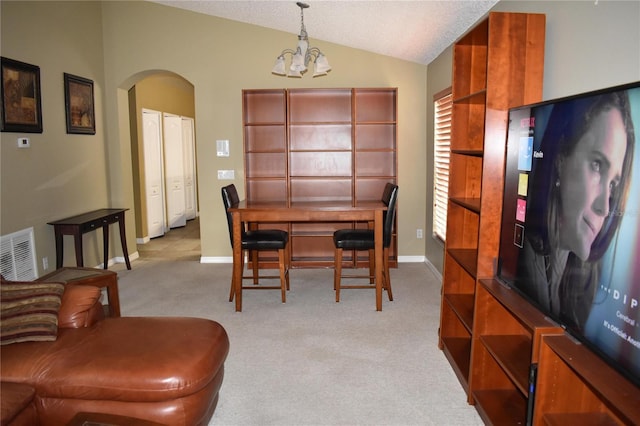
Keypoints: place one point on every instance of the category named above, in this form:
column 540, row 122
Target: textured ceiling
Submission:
column 416, row 31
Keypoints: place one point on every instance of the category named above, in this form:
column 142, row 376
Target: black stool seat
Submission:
column 266, row 239
column 354, row 239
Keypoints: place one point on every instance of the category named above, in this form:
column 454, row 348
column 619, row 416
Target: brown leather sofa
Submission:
column 162, row 369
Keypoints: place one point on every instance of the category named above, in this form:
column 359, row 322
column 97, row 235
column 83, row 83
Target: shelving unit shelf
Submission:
column 507, row 332
column 319, row 145
column 575, row 386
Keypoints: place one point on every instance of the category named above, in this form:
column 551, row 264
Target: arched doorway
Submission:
column 171, row 96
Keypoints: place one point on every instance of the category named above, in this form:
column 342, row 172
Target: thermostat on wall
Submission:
column 222, row 146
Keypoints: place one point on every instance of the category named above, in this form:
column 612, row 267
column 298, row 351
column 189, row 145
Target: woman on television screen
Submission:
column 577, row 195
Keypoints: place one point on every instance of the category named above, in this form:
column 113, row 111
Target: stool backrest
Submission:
column 230, row 198
column 389, row 198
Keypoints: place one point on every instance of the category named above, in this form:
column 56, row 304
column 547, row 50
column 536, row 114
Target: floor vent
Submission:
column 18, row 256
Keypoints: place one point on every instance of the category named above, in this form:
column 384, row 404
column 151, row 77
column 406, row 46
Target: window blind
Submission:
column 441, row 149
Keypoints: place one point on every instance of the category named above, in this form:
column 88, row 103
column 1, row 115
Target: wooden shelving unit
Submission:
column 497, row 65
column 506, row 336
column 575, row 386
column 318, row 145
column 265, row 144
column 488, row 332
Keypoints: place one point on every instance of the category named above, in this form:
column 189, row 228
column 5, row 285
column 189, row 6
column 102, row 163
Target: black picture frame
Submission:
column 21, row 97
column 79, row 105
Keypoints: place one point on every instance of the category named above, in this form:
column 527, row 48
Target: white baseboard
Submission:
column 120, row 259
column 433, row 269
column 411, row 259
column 216, row 259
column 229, row 259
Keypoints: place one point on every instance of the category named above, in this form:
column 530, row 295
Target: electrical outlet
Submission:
column 45, row 263
column 419, row 233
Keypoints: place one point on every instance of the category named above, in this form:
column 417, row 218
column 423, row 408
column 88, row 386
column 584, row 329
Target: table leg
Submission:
column 105, row 245
column 59, row 248
column 114, row 299
column 77, row 237
column 123, row 240
column 379, row 257
column 237, row 261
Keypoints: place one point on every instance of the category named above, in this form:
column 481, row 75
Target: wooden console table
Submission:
column 87, row 222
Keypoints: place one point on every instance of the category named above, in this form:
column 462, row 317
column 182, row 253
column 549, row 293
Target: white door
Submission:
column 188, row 149
column 174, row 171
column 153, row 168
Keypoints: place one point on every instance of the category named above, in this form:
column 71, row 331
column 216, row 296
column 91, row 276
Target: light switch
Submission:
column 222, row 147
column 23, row 143
column 226, row 174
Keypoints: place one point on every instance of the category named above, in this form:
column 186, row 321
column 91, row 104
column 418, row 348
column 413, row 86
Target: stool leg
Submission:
column 232, row 291
column 387, row 274
column 254, row 263
column 337, row 272
column 283, row 278
column 372, row 266
column 287, row 264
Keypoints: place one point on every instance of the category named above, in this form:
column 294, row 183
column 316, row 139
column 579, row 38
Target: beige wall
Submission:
column 116, row 44
column 589, row 45
column 61, row 174
column 219, row 58
column 439, row 78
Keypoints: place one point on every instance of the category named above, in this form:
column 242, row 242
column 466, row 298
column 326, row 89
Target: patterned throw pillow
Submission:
column 29, row 311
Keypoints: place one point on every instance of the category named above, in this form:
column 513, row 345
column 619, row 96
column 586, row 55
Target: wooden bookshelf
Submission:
column 488, row 332
column 575, row 386
column 497, row 65
column 317, row 145
column 507, row 333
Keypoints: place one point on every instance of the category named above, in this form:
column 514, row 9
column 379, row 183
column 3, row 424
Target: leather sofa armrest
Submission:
column 80, row 307
column 17, row 404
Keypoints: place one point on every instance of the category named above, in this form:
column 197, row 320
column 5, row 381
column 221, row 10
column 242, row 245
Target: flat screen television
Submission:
column 570, row 233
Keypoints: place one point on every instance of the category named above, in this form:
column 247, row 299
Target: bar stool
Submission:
column 254, row 241
column 363, row 239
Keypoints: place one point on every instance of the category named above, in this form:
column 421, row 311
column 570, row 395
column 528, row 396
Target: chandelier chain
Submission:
column 303, row 30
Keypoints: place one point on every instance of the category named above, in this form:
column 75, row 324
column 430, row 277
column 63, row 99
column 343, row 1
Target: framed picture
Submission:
column 78, row 99
column 21, row 102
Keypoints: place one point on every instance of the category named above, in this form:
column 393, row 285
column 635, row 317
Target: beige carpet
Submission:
column 312, row 361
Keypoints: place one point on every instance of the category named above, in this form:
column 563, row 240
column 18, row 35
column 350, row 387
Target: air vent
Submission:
column 18, row 256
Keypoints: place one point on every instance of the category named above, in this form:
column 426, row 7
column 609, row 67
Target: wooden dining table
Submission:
column 309, row 211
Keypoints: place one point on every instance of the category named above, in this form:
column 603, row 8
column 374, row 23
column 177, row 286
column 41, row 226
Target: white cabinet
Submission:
column 189, row 157
column 169, row 171
column 174, row 171
column 153, row 172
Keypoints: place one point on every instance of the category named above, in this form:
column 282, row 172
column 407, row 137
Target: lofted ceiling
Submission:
column 413, row 30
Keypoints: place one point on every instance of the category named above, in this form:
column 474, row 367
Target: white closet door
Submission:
column 174, row 171
column 188, row 149
column 153, row 169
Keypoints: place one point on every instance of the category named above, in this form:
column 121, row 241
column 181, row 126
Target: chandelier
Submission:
column 304, row 54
